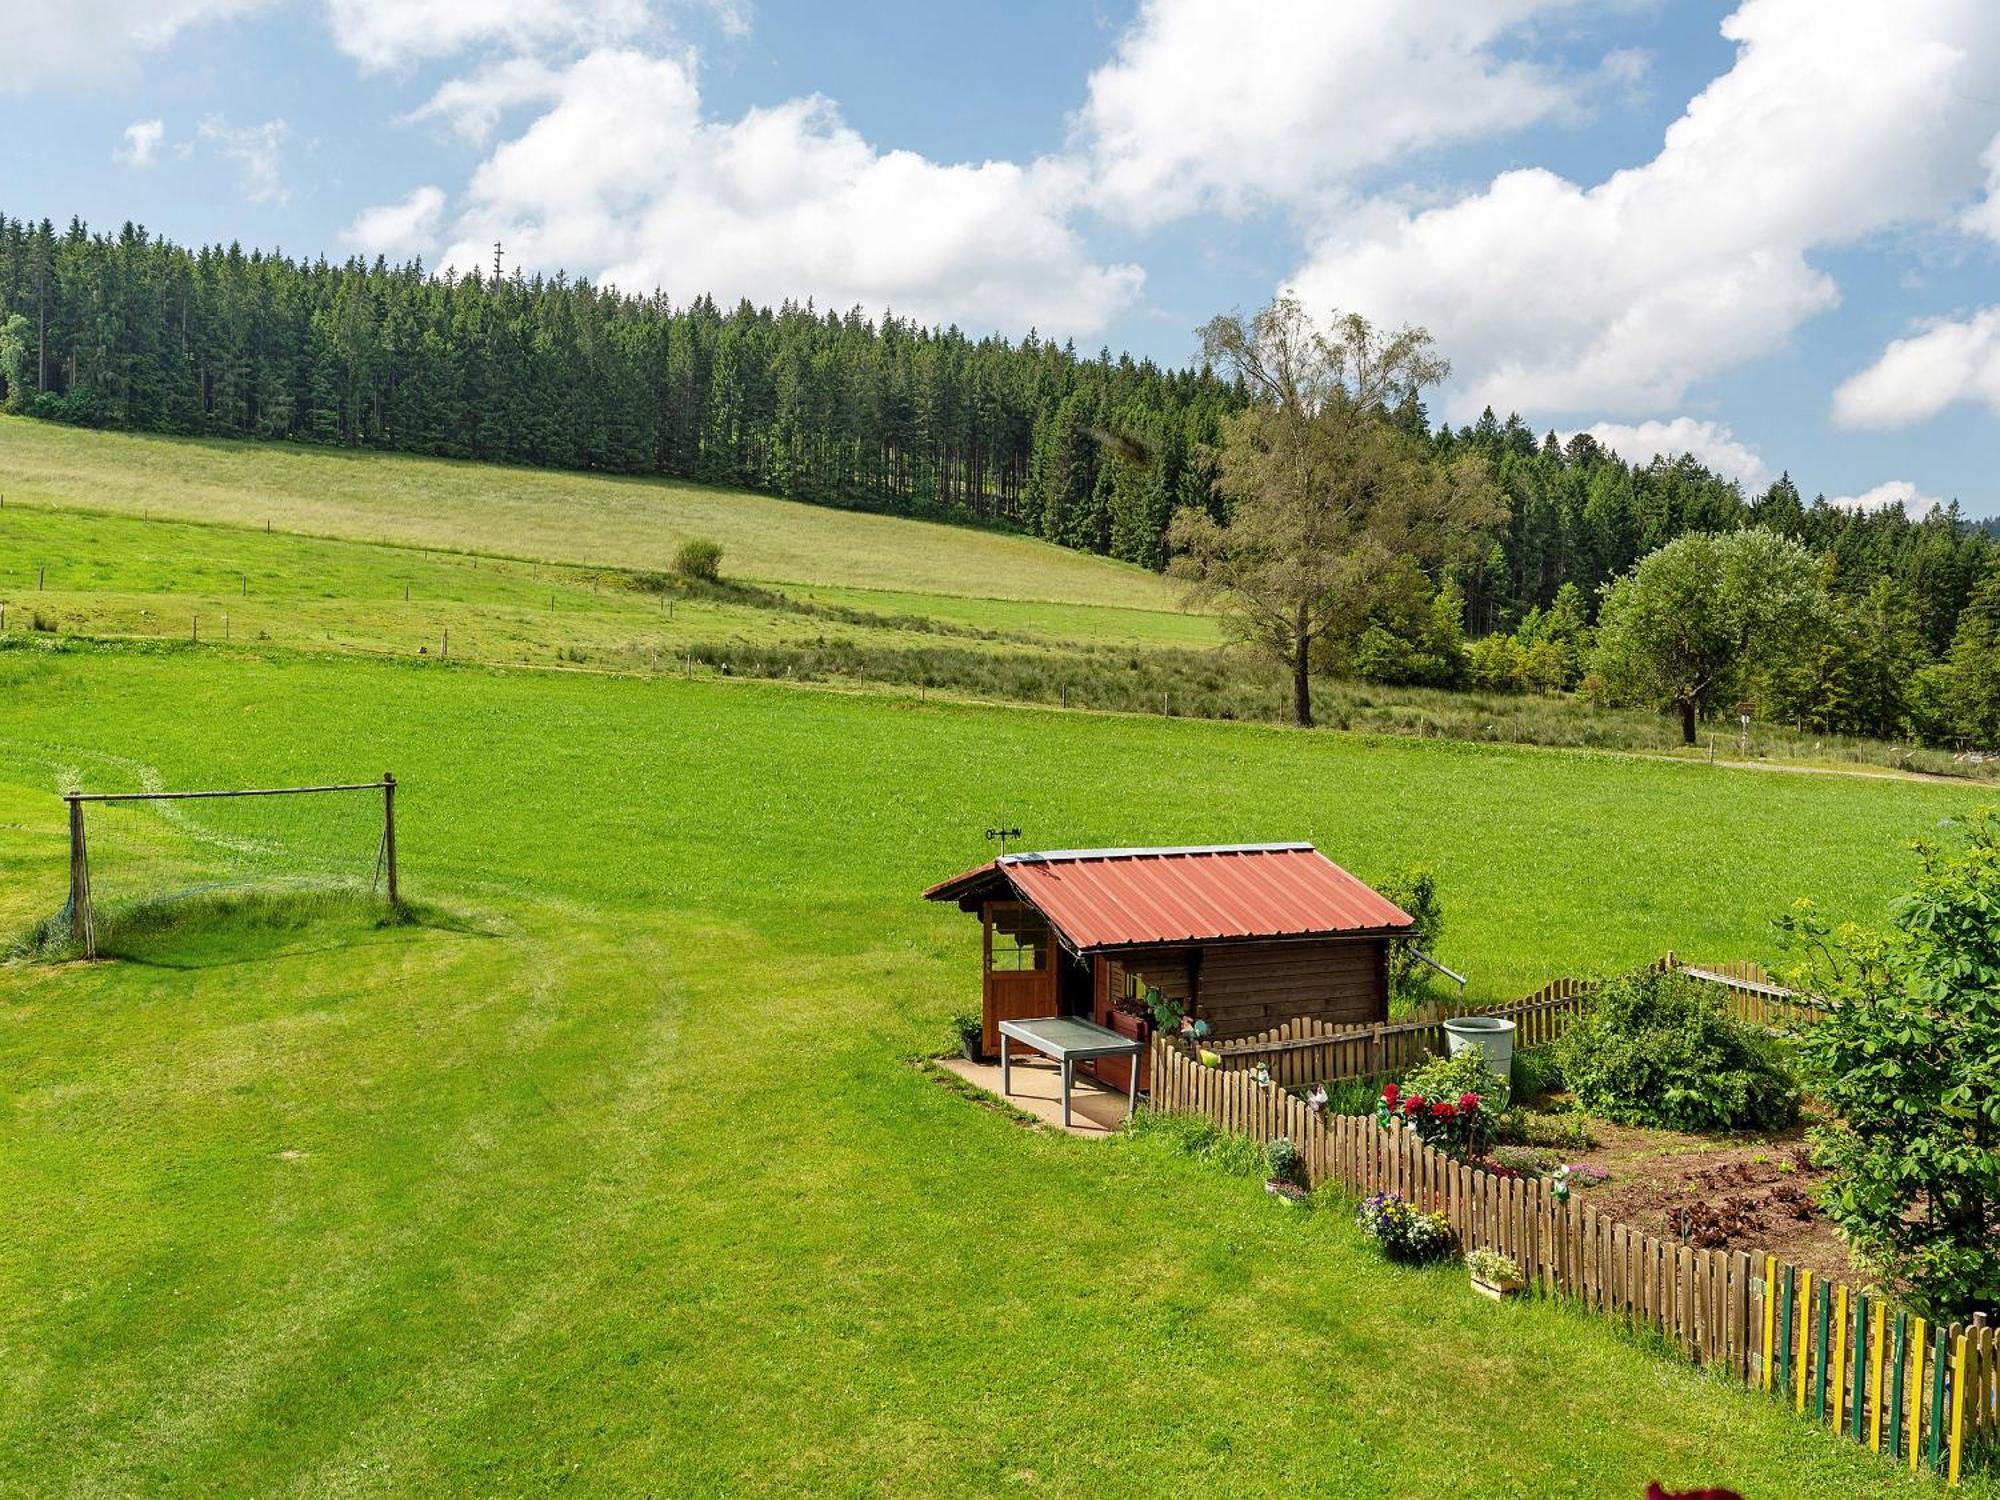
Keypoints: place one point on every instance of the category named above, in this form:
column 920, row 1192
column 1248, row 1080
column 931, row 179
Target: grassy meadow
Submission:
column 609, row 1173
column 602, row 521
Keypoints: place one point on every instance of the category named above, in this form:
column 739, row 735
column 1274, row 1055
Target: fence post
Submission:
column 389, row 832
column 82, row 921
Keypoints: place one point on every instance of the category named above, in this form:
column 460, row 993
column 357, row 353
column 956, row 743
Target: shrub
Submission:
column 1285, row 1162
column 699, row 559
column 1415, row 890
column 1405, row 1233
column 1658, row 1049
column 1536, row 1072
column 1466, row 1072
column 1908, row 1056
column 1530, row 1127
column 1459, row 1127
column 1433, row 1100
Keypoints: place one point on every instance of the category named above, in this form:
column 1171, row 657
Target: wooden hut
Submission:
column 1244, row 936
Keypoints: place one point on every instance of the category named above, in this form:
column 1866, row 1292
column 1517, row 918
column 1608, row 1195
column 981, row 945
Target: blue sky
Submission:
column 1763, row 231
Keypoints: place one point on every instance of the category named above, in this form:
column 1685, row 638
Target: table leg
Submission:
column 1065, row 1086
column 1005, row 1076
column 1132, row 1088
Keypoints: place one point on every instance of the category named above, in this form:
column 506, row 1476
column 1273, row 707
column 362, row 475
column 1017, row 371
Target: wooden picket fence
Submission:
column 1924, row 1396
column 1309, row 1051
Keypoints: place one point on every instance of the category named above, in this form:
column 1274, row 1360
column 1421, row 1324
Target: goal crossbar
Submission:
column 262, row 791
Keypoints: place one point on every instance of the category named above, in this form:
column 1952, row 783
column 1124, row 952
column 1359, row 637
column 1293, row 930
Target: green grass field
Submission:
column 610, row 1175
column 545, row 514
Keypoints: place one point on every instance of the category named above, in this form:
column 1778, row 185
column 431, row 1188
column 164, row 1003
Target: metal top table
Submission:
column 1069, row 1040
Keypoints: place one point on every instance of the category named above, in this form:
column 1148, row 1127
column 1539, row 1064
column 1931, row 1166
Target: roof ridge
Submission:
column 1070, row 856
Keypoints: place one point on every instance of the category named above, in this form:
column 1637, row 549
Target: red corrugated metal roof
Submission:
column 1121, row 898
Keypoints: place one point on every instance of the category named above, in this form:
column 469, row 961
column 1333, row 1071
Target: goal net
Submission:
column 136, row 856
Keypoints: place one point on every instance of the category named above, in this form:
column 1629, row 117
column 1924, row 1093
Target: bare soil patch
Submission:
column 1733, row 1192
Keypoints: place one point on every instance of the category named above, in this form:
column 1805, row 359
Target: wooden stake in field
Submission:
column 82, row 924
column 389, row 832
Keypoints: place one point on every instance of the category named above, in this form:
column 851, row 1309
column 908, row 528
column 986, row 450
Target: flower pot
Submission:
column 1499, row 1291
column 973, row 1045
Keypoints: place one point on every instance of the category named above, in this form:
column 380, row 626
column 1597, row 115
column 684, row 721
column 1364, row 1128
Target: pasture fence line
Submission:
column 1309, row 1050
column 1842, row 1357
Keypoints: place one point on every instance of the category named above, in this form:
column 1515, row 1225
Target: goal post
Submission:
column 83, row 923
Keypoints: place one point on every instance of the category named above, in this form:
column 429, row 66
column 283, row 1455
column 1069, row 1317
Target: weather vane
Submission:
column 1003, row 834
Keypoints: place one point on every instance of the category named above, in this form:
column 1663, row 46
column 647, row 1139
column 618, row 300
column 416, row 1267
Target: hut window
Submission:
column 1020, row 940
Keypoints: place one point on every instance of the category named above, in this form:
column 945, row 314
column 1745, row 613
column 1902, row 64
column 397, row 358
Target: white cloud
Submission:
column 257, row 150
column 473, row 105
column 389, row 33
column 1890, row 492
column 140, row 141
column 1918, row 377
column 1216, row 103
column 1836, row 120
column 398, row 230
column 1984, row 216
column 48, row 39
column 1711, row 442
column 623, row 177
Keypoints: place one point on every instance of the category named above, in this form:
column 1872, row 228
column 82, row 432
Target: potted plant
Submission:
column 1494, row 1274
column 971, row 1034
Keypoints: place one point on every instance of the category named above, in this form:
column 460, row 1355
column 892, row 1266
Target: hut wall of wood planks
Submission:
column 1923, row 1396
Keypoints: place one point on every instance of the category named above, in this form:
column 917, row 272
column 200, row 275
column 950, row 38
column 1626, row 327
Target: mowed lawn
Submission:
column 544, row 513
column 612, row 1175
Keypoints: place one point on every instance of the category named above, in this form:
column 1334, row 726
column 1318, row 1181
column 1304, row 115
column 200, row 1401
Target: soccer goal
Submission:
column 210, row 839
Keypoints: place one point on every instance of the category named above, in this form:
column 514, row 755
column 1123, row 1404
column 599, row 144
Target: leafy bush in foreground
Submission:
column 1909, row 1058
column 1658, row 1049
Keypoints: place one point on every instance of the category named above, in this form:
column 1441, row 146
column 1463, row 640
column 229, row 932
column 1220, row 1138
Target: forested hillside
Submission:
column 135, row 332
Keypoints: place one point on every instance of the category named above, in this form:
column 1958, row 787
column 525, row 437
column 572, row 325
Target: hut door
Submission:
column 1020, row 967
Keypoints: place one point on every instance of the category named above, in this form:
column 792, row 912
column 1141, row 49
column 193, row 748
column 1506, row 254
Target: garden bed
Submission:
column 1736, row 1192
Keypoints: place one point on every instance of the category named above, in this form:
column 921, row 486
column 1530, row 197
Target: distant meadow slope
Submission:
column 544, row 513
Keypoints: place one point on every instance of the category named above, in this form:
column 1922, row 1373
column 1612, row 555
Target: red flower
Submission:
column 1444, row 1111
column 1390, row 1094
column 1413, row 1105
column 1468, row 1102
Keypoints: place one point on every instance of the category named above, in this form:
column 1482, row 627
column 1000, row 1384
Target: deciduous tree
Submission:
column 1326, row 489
column 1683, row 627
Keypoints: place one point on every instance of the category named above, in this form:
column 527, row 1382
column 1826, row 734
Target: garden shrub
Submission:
column 1536, row 1072
column 1285, row 1162
column 1405, row 1232
column 1569, row 1131
column 1467, row 1072
column 1908, row 1056
column 1446, row 1101
column 1459, row 1127
column 1657, row 1048
column 1415, row 890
